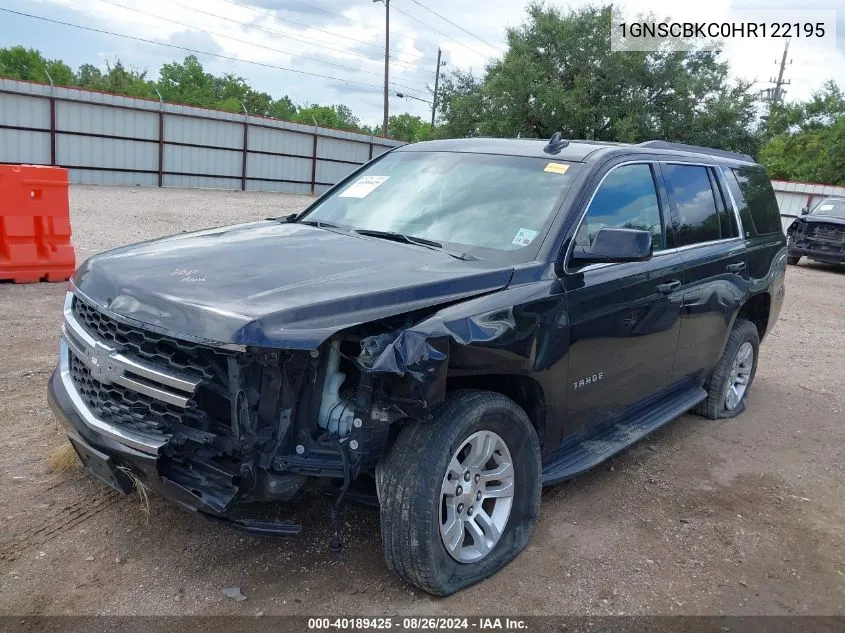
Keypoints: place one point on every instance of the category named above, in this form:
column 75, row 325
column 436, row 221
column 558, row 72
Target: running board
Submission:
column 576, row 456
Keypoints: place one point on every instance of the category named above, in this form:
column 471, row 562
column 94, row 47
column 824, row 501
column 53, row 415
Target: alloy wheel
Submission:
column 740, row 376
column 476, row 497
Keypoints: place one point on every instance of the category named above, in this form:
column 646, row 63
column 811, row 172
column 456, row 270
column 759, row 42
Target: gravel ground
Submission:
column 732, row 517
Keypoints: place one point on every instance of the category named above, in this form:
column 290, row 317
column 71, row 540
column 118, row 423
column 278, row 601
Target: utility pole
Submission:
column 436, row 81
column 778, row 91
column 386, row 60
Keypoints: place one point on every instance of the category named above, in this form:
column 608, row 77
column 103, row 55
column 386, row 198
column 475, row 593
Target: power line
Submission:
column 190, row 50
column 436, row 30
column 275, row 16
column 235, row 39
column 458, row 26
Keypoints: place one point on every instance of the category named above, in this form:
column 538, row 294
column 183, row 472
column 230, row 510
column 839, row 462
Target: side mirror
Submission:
column 612, row 245
column 805, row 211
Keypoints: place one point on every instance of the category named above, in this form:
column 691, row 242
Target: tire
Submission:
column 791, row 259
column 413, row 474
column 718, row 405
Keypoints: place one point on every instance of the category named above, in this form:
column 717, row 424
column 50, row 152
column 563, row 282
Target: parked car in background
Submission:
column 452, row 326
column 819, row 233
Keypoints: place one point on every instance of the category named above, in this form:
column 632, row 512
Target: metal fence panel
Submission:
column 201, row 182
column 279, row 187
column 96, row 119
column 378, row 150
column 330, row 173
column 180, row 129
column 269, row 168
column 112, row 139
column 202, row 161
column 108, row 153
column 343, row 150
column 280, row 141
column 20, row 146
column 106, row 177
column 31, row 112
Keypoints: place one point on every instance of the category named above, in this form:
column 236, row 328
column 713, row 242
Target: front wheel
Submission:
column 792, row 260
column 460, row 494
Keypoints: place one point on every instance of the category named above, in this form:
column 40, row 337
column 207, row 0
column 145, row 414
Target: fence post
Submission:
column 52, row 118
column 160, row 139
column 314, row 167
column 245, row 147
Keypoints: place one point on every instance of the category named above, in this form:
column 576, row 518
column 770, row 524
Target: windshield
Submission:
column 483, row 204
column 832, row 207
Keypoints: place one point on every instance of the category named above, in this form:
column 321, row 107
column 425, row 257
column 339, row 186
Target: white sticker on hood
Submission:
column 524, row 237
column 362, row 187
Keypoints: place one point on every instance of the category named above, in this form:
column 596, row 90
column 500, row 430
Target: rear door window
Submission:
column 695, row 217
column 760, row 197
column 727, row 218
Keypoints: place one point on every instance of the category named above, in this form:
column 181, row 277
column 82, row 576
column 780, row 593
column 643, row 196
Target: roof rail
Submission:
column 683, row 147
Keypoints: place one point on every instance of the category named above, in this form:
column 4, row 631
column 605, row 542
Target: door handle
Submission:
column 669, row 286
column 737, row 267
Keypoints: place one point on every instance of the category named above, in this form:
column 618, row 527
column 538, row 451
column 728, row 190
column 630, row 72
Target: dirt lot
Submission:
column 733, row 517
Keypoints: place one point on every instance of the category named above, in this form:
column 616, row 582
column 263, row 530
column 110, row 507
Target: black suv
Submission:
column 451, row 327
column 819, row 234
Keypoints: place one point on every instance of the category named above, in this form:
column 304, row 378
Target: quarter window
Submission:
column 626, row 199
column 760, row 197
column 695, row 217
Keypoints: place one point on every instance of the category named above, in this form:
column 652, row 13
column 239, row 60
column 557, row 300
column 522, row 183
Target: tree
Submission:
column 118, row 79
column 409, row 128
column 187, row 82
column 29, row 64
column 339, row 117
column 282, row 108
column 559, row 74
column 806, row 140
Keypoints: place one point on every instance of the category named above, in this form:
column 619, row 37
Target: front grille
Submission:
column 156, row 348
column 208, row 410
column 828, row 232
column 129, row 409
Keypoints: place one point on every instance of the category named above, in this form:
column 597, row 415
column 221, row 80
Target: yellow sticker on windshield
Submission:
column 556, row 168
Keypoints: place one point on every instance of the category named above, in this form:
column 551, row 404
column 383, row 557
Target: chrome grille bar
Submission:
column 107, row 365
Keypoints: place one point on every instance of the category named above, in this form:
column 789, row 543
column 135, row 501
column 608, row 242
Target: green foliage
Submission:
column 184, row 82
column 339, row 117
column 409, row 128
column 559, row 74
column 806, row 141
column 18, row 62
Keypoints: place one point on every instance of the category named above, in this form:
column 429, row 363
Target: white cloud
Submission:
column 355, row 39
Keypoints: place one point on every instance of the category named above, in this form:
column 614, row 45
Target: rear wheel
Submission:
column 730, row 381
column 459, row 495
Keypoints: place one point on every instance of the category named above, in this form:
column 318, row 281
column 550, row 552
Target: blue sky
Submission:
column 354, row 41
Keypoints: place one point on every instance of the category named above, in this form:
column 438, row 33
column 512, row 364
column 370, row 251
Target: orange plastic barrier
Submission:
column 34, row 224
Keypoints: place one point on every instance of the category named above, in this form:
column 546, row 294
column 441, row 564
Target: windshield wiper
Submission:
column 320, row 224
column 417, row 241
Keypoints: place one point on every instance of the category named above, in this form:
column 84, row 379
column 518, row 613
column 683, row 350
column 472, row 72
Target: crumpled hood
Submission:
column 822, row 219
column 274, row 284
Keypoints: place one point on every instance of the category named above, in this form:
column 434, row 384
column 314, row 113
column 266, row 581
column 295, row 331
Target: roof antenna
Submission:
column 555, row 144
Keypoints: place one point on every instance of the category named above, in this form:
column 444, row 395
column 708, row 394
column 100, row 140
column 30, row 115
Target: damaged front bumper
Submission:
column 820, row 250
column 103, row 446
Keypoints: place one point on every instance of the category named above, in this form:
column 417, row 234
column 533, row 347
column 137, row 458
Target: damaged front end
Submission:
column 223, row 429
